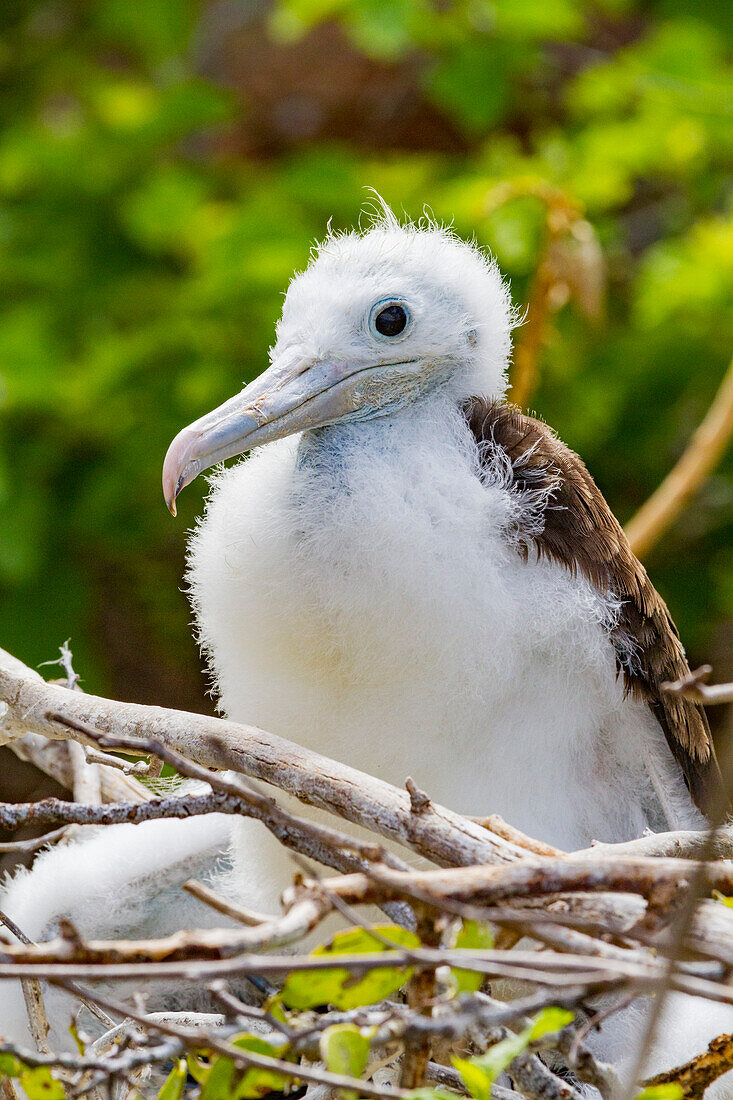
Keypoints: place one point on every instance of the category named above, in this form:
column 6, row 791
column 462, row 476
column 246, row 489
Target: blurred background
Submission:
column 166, row 165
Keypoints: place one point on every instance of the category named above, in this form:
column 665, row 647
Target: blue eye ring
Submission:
column 390, row 319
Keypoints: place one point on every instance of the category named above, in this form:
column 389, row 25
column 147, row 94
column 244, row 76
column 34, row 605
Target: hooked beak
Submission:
column 296, row 393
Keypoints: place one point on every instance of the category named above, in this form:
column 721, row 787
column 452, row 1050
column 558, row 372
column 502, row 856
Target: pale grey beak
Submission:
column 294, row 394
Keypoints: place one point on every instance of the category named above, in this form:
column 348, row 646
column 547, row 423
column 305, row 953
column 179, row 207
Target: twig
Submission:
column 439, row 834
column 32, row 995
column 70, row 987
column 680, row 844
column 109, row 1065
column 693, row 686
column 223, row 905
column 420, row 992
column 34, row 843
column 86, row 784
column 496, row 824
column 245, row 1059
column 695, row 1076
column 702, row 455
column 140, row 767
column 51, row 757
column 451, row 1078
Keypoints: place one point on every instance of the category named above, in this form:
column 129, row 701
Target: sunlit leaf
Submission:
column 256, row 1081
column 671, row 1091
column 10, row 1065
column 476, row 1080
column 550, row 1019
column 479, row 936
column 344, row 1049
column 309, row 988
column 175, row 1082
column 40, row 1084
column 220, row 1080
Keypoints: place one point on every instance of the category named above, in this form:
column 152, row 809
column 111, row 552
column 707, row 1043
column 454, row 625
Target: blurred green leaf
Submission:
column 10, row 1065
column 40, row 1084
column 309, row 988
column 472, row 934
column 480, row 1073
column 671, row 1091
column 549, row 1020
column 344, row 1050
column 471, row 84
column 175, row 1082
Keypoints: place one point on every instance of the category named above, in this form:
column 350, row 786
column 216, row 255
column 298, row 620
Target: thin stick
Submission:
column 34, row 843
column 246, row 1059
column 693, row 686
column 439, row 834
column 228, row 908
column 702, row 455
column 695, row 1076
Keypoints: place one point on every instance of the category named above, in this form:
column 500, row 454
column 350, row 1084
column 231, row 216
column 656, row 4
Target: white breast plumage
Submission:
column 359, row 592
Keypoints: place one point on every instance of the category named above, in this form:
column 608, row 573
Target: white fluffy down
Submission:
column 358, row 590
column 122, row 881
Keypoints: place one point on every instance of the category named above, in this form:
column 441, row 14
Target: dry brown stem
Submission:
column 438, row 834
column 702, row 455
column 694, row 686
column 571, row 903
column 695, row 1076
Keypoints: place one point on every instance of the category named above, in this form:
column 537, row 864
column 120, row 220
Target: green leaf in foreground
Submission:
column 40, row 1084
column 471, row 935
column 308, row 988
column 671, row 1091
column 175, row 1082
column 344, row 1050
column 221, row 1079
column 9, row 1065
column 479, row 1074
column 550, row 1019
column 257, row 1081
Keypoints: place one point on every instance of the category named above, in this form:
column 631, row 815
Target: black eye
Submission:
column 391, row 320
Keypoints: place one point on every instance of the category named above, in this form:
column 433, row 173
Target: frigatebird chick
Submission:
column 414, row 577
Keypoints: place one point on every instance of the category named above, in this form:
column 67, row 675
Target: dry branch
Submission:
column 695, row 1076
column 702, row 455
column 529, row 878
column 600, row 918
column 438, row 834
column 694, row 686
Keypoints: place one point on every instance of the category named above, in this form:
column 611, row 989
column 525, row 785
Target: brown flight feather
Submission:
column 581, row 533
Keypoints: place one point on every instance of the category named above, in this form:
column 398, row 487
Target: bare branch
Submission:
column 702, row 455
column 693, row 686
column 228, row 908
column 438, row 834
column 695, row 1076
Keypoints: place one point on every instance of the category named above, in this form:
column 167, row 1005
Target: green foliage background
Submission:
column 165, row 166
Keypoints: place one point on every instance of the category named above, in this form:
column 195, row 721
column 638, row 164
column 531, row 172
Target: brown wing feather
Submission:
column 581, row 533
